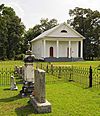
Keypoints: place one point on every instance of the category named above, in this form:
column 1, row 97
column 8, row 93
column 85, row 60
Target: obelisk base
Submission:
column 40, row 107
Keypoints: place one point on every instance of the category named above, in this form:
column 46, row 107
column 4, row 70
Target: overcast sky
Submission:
column 31, row 11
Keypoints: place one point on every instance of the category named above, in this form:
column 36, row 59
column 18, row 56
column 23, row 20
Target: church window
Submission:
column 63, row 31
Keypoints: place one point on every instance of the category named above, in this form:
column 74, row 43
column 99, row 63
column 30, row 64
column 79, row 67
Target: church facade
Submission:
column 58, row 44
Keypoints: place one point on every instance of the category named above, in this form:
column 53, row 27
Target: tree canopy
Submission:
column 44, row 25
column 11, row 32
column 87, row 23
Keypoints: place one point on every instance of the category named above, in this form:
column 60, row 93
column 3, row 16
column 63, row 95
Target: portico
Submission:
column 68, row 48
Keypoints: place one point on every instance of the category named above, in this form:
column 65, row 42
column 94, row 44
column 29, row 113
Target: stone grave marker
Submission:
column 39, row 102
column 28, row 76
column 13, row 84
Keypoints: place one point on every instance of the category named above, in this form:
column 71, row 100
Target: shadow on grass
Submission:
column 6, row 89
column 25, row 110
column 10, row 98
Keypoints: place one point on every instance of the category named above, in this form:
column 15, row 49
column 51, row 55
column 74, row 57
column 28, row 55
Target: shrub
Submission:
column 19, row 56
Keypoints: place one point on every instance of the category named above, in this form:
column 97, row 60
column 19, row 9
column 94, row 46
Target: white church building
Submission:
column 61, row 43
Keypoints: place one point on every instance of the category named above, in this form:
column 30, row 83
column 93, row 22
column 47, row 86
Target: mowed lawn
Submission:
column 11, row 64
column 87, row 64
column 67, row 99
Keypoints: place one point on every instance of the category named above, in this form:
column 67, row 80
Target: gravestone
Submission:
column 39, row 102
column 19, row 71
column 28, row 76
column 29, row 72
column 13, row 84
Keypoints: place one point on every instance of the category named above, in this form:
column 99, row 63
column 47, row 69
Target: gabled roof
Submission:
column 49, row 33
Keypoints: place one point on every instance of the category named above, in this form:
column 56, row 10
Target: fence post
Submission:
column 70, row 76
column 37, row 65
column 52, row 69
column 59, row 73
column 47, row 68
column 90, row 77
column 41, row 66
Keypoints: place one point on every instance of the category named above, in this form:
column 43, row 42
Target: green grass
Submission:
column 79, row 64
column 67, row 99
column 70, row 100
column 11, row 64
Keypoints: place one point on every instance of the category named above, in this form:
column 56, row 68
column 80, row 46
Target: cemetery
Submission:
column 58, row 72
column 30, row 87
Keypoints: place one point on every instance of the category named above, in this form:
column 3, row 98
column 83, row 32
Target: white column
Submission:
column 81, row 49
column 57, row 48
column 44, row 49
column 69, row 49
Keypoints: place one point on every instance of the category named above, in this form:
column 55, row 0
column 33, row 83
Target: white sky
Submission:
column 31, row 11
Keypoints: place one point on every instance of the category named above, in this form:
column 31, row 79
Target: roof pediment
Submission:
column 62, row 31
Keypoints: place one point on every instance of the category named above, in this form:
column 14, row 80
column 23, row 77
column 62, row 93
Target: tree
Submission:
column 44, row 25
column 87, row 23
column 11, row 32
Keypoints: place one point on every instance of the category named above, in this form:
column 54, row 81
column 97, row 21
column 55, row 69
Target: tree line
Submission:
column 14, row 37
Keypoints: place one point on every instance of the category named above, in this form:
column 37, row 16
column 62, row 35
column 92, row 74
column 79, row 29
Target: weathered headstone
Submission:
column 13, row 84
column 39, row 102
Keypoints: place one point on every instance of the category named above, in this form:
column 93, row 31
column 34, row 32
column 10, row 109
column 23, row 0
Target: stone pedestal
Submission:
column 28, row 76
column 39, row 102
column 40, row 107
column 28, row 83
column 27, row 89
